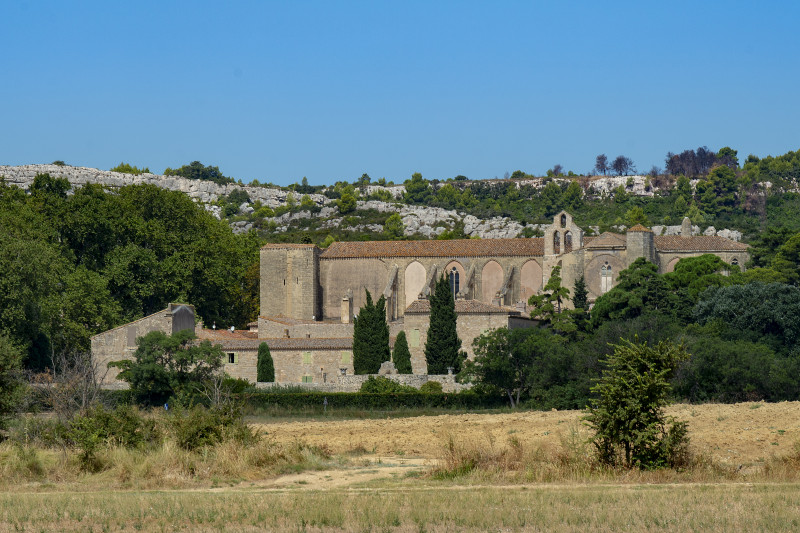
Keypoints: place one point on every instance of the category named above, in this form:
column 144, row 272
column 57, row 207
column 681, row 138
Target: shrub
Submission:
column 431, row 387
column 367, row 400
column 199, row 427
column 627, row 418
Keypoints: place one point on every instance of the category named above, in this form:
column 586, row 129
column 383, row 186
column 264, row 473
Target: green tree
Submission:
column 346, row 204
column 547, row 307
column 402, row 356
column 573, row 196
column 627, row 417
column 551, row 197
column 265, row 368
column 12, row 384
column 418, row 190
column 166, row 366
column 443, row 347
column 370, row 337
column 580, row 294
column 393, row 228
column 764, row 312
column 509, row 359
column 683, row 188
column 640, row 289
column 197, row 171
column 125, row 168
column 635, row 215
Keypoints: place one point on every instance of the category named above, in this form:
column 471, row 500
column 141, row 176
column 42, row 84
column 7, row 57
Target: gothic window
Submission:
column 556, row 243
column 605, row 278
column 454, row 281
column 735, row 261
column 567, row 242
column 563, row 221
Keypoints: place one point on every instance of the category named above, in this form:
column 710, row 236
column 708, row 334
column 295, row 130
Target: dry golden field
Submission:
column 378, row 478
column 738, row 434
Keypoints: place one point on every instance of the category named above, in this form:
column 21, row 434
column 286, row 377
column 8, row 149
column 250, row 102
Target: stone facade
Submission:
column 120, row 343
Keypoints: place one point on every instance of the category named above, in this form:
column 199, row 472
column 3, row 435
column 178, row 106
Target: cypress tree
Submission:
column 580, row 294
column 370, row 337
column 265, row 368
column 443, row 347
column 401, row 355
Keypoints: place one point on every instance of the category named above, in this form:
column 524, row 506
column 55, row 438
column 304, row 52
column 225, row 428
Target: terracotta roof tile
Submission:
column 225, row 334
column 343, row 343
column 288, row 321
column 446, row 248
column 463, row 307
column 639, row 228
column 286, row 246
column 605, row 240
column 697, row 243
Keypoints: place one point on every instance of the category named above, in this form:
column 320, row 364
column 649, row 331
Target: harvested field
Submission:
column 738, row 434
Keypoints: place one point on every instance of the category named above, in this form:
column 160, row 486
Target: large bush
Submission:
column 628, row 420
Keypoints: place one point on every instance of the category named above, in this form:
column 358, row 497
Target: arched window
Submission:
column 735, row 261
column 563, row 221
column 605, row 278
column 567, row 242
column 454, row 281
column 556, row 243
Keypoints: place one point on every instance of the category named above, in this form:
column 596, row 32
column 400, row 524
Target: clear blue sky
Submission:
column 329, row 90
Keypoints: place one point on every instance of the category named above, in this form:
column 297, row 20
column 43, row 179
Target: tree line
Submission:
column 78, row 261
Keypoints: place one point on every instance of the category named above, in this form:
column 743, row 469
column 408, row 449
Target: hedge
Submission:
column 366, row 400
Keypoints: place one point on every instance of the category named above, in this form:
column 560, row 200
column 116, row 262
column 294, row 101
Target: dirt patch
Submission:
column 742, row 433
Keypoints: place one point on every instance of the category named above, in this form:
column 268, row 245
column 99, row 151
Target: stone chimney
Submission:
column 347, row 307
column 686, row 227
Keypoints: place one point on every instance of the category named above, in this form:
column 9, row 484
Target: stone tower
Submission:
column 290, row 281
column 640, row 243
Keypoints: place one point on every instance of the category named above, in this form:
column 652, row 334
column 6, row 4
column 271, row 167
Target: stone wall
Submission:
column 468, row 326
column 352, row 383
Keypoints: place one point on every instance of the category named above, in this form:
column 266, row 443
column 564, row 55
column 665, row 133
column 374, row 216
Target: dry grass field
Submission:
column 382, row 477
column 738, row 434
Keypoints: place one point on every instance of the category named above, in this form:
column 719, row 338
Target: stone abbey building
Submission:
column 309, row 296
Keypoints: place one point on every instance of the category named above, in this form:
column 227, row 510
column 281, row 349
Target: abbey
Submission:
column 303, row 282
column 309, row 296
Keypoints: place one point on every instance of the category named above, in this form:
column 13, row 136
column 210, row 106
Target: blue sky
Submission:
column 276, row 91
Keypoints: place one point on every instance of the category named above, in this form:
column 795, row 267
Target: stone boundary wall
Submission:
column 353, row 383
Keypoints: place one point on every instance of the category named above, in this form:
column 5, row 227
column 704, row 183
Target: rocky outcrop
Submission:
column 426, row 221
column 202, row 191
column 676, row 230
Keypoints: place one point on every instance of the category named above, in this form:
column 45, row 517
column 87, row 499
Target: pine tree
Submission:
column 370, row 337
column 265, row 368
column 443, row 347
column 401, row 355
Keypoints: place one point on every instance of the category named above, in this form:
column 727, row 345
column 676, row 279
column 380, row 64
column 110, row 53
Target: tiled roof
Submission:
column 463, row 307
column 639, row 228
column 225, row 334
column 285, row 246
column 343, row 343
column 697, row 243
column 605, row 240
column 446, row 248
column 288, row 321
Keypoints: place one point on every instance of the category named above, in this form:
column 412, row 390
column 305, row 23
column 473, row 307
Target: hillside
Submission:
column 456, row 208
